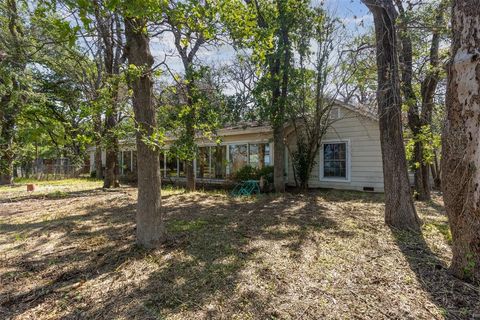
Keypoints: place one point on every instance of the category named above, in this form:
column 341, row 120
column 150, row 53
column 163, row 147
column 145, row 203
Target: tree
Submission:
column 312, row 95
column 461, row 141
column 109, row 28
column 420, row 110
column 268, row 29
column 149, row 218
column 400, row 211
column 194, row 26
column 13, row 62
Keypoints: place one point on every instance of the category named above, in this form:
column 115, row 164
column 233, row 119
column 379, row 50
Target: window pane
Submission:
column 127, row 162
column 171, row 166
column 219, row 162
column 182, row 164
column 259, row 155
column 238, row 157
column 254, row 156
column 335, row 160
column 203, row 163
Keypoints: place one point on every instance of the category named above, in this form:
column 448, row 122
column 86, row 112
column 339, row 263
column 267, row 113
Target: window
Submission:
column 335, row 160
column 171, row 166
column 203, row 162
column 259, row 155
column 182, row 166
column 237, row 156
column 127, row 162
column 334, row 113
column 219, row 162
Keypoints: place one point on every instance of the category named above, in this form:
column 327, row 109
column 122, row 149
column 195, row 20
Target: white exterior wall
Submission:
column 364, row 158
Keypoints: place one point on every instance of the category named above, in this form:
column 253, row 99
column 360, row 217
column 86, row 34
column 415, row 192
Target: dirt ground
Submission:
column 67, row 251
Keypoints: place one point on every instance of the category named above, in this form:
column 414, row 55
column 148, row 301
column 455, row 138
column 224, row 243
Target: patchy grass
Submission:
column 322, row 254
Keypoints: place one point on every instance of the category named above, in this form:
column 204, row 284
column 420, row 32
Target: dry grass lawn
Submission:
column 67, row 251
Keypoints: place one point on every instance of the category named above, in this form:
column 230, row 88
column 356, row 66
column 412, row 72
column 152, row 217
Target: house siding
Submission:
column 364, row 168
column 365, row 158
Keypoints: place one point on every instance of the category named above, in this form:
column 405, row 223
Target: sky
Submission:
column 353, row 13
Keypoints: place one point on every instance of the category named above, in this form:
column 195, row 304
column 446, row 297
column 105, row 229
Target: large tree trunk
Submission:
column 150, row 226
column 97, row 124
column 414, row 118
column 7, row 125
column 189, row 164
column 400, row 212
column 8, row 109
column 461, row 140
column 108, row 26
column 110, row 179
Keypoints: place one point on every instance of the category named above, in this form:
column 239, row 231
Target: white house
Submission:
column 349, row 157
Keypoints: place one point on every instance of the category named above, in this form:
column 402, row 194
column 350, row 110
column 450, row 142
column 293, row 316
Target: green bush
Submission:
column 266, row 173
column 251, row 173
column 246, row 173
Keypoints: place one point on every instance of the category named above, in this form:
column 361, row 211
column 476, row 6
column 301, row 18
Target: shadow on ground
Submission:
column 457, row 299
column 212, row 240
column 207, row 249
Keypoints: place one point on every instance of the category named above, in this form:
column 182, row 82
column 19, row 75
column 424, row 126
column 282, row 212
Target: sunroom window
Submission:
column 335, row 160
column 238, row 156
column 259, row 155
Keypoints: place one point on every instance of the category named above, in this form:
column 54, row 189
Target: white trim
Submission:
column 348, row 179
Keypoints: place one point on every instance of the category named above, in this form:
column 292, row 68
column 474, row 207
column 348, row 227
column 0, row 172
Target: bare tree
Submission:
column 312, row 95
column 461, row 141
column 400, row 211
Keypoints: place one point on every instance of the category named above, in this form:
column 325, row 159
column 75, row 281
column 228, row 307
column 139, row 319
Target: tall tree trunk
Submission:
column 97, row 123
column 400, row 212
column 280, row 65
column 414, row 119
column 149, row 218
column 8, row 108
column 189, row 164
column 460, row 147
column 7, row 118
column 108, row 25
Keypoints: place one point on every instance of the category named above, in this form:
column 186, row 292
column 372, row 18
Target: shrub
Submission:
column 266, row 173
column 246, row 173
column 251, row 173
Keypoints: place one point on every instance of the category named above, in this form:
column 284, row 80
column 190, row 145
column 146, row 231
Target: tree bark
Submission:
column 189, row 164
column 400, row 211
column 414, row 118
column 9, row 108
column 7, row 118
column 149, row 218
column 97, row 123
column 108, row 26
column 461, row 152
